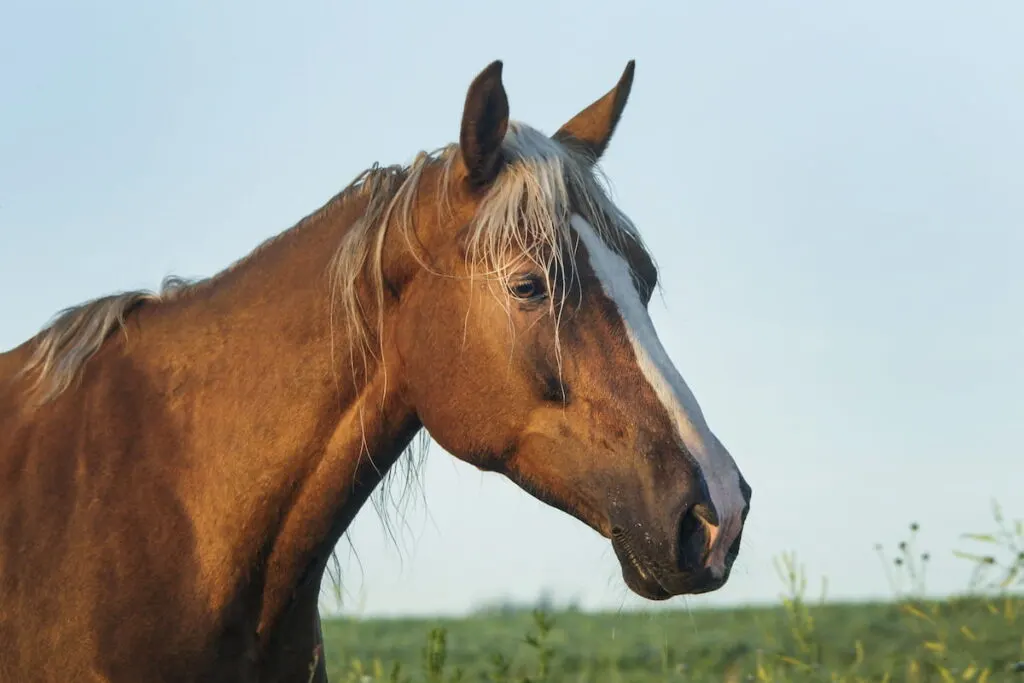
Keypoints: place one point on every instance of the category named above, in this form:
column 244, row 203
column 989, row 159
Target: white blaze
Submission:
column 715, row 462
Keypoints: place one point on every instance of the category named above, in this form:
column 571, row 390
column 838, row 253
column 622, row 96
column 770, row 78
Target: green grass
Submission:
column 977, row 636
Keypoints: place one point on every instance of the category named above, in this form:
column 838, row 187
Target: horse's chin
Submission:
column 642, row 584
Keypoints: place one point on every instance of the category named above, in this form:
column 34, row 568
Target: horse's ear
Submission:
column 484, row 122
column 592, row 129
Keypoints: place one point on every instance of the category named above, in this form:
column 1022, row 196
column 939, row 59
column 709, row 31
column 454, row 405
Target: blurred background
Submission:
column 833, row 191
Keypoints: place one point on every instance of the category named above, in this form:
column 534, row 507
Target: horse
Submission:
column 177, row 465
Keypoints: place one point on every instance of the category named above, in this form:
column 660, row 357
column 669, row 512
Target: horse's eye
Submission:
column 529, row 288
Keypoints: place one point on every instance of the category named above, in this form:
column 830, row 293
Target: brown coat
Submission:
column 176, row 468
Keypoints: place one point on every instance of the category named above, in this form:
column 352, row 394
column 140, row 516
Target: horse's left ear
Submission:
column 592, row 129
column 484, row 122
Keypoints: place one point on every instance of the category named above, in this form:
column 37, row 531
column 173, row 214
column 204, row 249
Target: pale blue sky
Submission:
column 834, row 191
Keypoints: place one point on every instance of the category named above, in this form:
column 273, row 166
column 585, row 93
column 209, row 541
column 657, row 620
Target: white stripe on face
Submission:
column 716, row 464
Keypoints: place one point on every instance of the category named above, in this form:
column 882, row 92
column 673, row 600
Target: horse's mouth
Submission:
column 652, row 581
column 642, row 580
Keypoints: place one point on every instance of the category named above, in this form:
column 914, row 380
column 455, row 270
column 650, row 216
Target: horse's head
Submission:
column 525, row 345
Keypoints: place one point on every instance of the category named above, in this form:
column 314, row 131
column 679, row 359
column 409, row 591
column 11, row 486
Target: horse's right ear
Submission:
column 484, row 122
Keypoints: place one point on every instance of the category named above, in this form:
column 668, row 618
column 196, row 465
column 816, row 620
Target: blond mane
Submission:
column 523, row 219
column 76, row 333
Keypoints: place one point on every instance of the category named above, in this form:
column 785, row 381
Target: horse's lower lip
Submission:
column 643, row 585
column 647, row 582
column 641, row 578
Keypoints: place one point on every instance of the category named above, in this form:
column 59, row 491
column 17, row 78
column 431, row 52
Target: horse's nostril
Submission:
column 706, row 514
column 693, row 539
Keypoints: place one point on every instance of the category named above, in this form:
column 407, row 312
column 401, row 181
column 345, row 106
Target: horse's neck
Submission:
column 285, row 446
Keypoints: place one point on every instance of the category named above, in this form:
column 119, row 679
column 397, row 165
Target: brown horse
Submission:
column 176, row 467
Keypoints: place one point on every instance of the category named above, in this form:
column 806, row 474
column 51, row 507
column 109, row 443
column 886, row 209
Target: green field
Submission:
column 977, row 636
